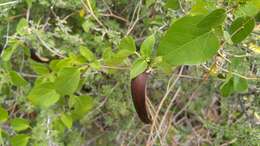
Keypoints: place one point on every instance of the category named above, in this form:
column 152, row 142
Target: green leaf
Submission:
column 39, row 68
column 29, row 3
column 85, row 52
column 251, row 8
column 240, row 84
column 21, row 26
column 199, row 8
column 241, row 28
column 234, row 84
column 17, row 79
column 128, row 43
column 20, row 140
column 19, row 124
column 138, row 67
column 3, row 115
column 57, row 65
column 185, row 43
column 227, row 87
column 107, row 53
column 123, row 53
column 148, row 3
column 87, row 25
column 156, row 61
column 213, row 19
column 1, row 137
column 67, row 120
column 44, row 95
column 112, row 59
column 67, row 81
column 8, row 52
column 172, row 4
column 147, row 46
column 95, row 65
column 80, row 105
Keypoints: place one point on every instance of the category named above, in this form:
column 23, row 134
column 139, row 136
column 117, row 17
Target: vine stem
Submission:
column 88, row 7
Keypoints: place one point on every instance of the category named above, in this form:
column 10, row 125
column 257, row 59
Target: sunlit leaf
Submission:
column 67, row 120
column 128, row 43
column 19, row 124
column 254, row 48
column 80, row 105
column 89, row 55
column 67, row 81
column 21, row 26
column 17, row 79
column 8, row 52
column 43, row 95
column 138, row 67
column 20, row 140
column 39, row 68
column 147, row 46
column 3, row 115
column 87, row 25
column 251, row 8
column 185, row 43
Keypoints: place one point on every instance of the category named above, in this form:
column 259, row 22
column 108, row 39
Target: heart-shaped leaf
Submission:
column 185, row 43
column 43, row 95
column 67, row 81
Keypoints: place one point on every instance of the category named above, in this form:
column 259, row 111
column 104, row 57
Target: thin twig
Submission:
column 168, row 109
column 54, row 51
column 9, row 3
column 149, row 142
column 138, row 8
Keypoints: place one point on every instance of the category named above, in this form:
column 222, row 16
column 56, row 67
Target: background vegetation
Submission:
column 82, row 97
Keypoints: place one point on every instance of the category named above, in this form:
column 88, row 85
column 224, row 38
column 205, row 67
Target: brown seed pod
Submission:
column 139, row 94
column 38, row 58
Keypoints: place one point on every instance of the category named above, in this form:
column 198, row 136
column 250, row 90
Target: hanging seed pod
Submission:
column 139, row 95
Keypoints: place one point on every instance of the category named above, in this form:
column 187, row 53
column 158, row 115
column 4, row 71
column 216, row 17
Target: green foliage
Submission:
column 87, row 54
column 43, row 95
column 241, row 28
column 147, row 47
column 172, row 4
column 80, row 105
column 17, row 79
column 22, row 26
column 39, row 68
column 227, row 87
column 250, row 8
column 213, row 19
column 67, row 120
column 82, row 96
column 234, row 84
column 128, row 43
column 67, row 81
column 20, row 140
column 19, row 124
column 138, row 67
column 3, row 115
column 8, row 52
column 186, row 43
